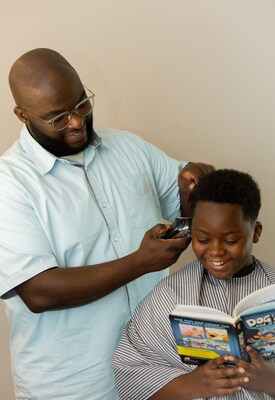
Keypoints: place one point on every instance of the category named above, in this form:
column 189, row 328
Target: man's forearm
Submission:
column 60, row 288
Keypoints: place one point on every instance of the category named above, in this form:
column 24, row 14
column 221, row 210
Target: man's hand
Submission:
column 192, row 173
column 188, row 179
column 60, row 288
column 155, row 254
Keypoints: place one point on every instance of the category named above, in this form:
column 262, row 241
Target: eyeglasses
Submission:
column 62, row 120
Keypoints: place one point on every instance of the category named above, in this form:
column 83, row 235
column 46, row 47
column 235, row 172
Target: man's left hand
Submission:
column 188, row 179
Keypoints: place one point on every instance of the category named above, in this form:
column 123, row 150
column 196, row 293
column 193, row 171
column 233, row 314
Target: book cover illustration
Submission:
column 259, row 331
column 199, row 341
column 204, row 333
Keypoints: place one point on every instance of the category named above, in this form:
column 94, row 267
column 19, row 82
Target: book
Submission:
column 204, row 333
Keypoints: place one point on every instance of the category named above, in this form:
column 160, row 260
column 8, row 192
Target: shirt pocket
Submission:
column 140, row 201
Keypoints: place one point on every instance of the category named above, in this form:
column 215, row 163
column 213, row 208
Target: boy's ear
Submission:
column 257, row 231
column 21, row 114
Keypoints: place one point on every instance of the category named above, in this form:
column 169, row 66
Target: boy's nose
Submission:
column 216, row 249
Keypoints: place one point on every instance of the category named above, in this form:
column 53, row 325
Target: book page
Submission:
column 255, row 299
column 202, row 313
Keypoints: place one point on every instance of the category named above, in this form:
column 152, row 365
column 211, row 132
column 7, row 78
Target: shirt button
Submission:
column 116, row 239
column 104, row 205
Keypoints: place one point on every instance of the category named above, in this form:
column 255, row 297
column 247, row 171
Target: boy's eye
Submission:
column 203, row 241
column 231, row 241
column 227, row 241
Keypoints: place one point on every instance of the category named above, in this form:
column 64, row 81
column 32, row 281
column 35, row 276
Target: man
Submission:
column 77, row 247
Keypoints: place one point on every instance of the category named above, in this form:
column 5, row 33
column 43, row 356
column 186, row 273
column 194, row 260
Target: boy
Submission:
column 225, row 206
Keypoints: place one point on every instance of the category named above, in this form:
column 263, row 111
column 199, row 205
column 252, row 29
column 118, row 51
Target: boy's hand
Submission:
column 259, row 372
column 216, row 378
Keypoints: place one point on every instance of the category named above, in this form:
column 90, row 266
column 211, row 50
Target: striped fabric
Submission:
column 146, row 358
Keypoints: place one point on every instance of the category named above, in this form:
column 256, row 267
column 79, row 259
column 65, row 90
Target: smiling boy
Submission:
column 225, row 206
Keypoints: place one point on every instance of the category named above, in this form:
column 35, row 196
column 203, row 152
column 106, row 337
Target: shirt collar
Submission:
column 43, row 159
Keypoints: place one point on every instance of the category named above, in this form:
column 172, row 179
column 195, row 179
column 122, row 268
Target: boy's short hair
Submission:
column 229, row 186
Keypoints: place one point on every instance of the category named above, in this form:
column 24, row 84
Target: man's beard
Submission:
column 59, row 147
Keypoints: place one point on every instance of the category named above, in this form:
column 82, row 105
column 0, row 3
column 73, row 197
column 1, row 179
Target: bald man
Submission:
column 81, row 209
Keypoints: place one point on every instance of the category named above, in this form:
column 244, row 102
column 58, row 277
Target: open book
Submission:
column 203, row 333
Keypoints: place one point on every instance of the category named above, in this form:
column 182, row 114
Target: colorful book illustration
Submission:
column 203, row 333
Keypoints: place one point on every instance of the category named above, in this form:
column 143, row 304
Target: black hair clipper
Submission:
column 181, row 227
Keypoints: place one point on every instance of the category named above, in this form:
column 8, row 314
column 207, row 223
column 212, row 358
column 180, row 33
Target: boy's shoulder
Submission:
column 183, row 285
column 269, row 270
column 192, row 271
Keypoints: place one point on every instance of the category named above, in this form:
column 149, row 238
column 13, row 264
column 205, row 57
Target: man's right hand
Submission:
column 61, row 288
column 155, row 254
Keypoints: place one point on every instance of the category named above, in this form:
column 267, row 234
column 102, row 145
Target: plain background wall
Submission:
column 194, row 77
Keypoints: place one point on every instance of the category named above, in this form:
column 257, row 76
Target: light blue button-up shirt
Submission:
column 54, row 213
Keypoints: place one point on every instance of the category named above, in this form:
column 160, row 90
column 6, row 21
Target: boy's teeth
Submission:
column 217, row 264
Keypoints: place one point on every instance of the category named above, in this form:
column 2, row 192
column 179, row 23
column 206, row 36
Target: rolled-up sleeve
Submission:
column 24, row 248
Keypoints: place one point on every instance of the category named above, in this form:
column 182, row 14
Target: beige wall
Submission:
column 195, row 77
